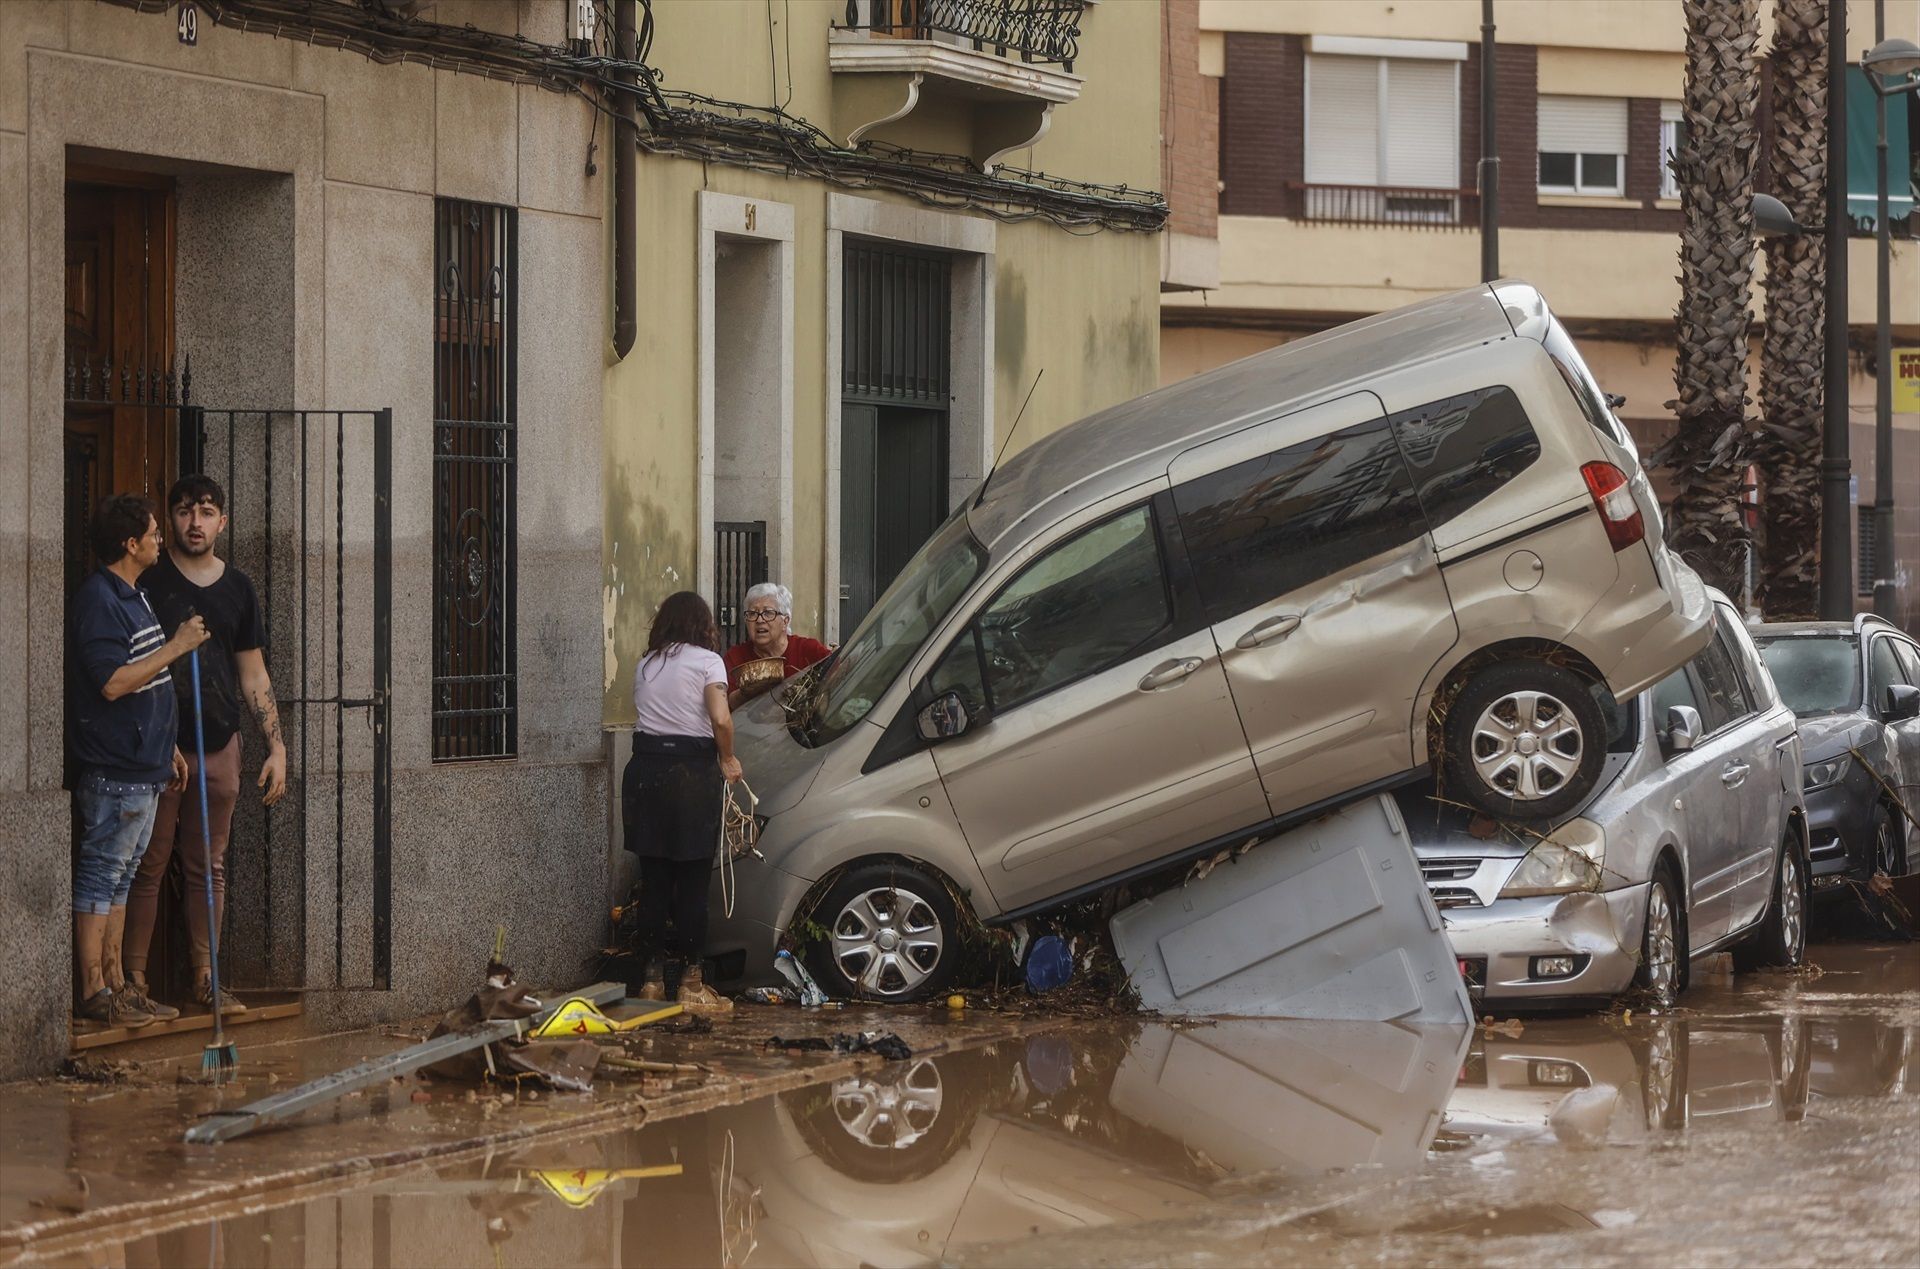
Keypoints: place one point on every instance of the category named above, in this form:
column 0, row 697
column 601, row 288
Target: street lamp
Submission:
column 1886, row 61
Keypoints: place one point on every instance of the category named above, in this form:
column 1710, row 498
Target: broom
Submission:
column 219, row 1056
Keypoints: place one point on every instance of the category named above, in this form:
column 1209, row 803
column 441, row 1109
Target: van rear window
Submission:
column 1580, row 382
column 1464, row 447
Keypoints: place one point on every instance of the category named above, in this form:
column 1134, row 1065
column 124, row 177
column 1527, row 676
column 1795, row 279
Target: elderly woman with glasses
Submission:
column 769, row 613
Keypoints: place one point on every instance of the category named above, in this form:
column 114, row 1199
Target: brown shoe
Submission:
column 652, row 989
column 137, row 996
column 695, row 996
column 111, row 1010
column 203, row 996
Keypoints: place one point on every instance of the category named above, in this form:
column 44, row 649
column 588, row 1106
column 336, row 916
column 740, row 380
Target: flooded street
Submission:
column 1775, row 1119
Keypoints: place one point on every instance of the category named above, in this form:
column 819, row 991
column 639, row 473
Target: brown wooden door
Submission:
column 119, row 348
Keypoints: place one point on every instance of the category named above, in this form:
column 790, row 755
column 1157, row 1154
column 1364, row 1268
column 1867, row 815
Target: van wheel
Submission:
column 892, row 934
column 1781, row 939
column 1524, row 740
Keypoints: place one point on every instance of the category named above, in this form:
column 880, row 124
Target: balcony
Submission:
column 1003, row 63
column 1419, row 207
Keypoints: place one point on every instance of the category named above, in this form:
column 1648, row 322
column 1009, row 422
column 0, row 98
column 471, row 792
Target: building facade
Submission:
column 1349, row 145
column 359, row 260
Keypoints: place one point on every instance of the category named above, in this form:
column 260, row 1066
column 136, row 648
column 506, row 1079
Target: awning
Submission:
column 1862, row 163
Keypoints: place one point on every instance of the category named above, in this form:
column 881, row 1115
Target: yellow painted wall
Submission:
column 1080, row 305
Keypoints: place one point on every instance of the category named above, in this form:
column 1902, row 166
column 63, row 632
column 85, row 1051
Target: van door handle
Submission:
column 1734, row 774
column 1169, row 672
column 1269, row 630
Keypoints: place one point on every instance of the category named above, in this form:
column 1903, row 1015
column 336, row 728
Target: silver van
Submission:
column 1413, row 543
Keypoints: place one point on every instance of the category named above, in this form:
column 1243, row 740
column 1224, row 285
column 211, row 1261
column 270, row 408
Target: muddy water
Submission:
column 1775, row 1119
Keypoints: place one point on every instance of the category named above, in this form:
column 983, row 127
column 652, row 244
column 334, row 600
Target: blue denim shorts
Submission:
column 116, row 819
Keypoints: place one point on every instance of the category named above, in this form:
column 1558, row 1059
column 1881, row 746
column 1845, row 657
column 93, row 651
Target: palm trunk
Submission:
column 1787, row 446
column 1714, row 167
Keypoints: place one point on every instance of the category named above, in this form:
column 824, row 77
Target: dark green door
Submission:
column 895, row 395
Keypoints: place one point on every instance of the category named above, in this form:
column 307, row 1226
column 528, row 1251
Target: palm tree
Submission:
column 1714, row 168
column 1787, row 446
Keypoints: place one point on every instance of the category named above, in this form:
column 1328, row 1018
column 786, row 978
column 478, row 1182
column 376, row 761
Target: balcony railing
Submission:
column 1414, row 206
column 1039, row 31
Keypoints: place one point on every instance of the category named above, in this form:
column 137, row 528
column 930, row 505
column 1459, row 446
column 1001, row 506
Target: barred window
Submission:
column 474, row 691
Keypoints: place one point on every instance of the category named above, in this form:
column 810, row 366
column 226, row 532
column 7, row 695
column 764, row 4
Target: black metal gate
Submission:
column 740, row 563
column 309, row 505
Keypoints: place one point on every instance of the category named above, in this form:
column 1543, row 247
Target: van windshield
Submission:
column 917, row 601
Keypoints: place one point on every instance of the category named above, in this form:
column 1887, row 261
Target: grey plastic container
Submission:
column 1329, row 920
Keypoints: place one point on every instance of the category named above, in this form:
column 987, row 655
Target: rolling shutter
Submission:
column 1423, row 125
column 1343, row 120
column 1583, row 125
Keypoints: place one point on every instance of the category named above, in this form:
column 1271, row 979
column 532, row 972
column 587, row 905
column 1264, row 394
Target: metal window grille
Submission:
column 475, row 696
column 1865, row 557
column 896, row 325
column 740, row 562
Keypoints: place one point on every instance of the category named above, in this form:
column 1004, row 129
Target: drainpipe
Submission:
column 626, row 159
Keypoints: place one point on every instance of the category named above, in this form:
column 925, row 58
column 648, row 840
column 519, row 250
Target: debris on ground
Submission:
column 885, row 1043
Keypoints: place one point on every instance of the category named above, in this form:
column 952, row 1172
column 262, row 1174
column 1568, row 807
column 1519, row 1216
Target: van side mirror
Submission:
column 945, row 719
column 1903, row 702
column 1683, row 729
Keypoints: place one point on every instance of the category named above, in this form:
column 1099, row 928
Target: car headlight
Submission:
column 1565, row 863
column 1818, row 775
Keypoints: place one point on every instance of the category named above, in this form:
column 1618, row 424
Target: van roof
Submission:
column 1126, row 444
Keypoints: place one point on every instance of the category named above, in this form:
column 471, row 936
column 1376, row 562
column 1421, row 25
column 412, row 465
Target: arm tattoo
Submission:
column 266, row 711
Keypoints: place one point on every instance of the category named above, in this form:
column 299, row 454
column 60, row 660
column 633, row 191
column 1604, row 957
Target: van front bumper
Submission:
column 740, row 947
column 1502, row 939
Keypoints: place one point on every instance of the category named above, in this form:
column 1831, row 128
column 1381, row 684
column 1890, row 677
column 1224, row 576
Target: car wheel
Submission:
column 1524, row 740
column 1663, row 940
column 1889, row 844
column 1794, row 1068
column 895, row 1124
column 892, row 934
column 1664, row 1077
column 1781, row 939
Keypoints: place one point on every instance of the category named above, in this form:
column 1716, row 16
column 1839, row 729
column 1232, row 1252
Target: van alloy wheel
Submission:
column 890, row 1109
column 1527, row 745
column 887, row 940
column 1793, row 913
column 1662, row 975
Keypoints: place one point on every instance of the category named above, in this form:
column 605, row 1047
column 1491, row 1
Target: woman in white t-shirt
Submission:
column 671, row 792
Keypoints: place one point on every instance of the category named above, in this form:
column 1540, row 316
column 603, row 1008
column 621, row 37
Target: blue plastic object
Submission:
column 1049, row 964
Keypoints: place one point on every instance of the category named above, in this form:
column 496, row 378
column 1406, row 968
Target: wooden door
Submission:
column 119, row 348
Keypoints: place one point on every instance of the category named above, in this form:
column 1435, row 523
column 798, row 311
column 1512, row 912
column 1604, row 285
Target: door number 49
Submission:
column 189, row 25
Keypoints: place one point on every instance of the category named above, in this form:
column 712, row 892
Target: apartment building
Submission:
column 1349, row 146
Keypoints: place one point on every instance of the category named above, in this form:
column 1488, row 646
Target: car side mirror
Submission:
column 1683, row 729
column 1903, row 702
column 945, row 719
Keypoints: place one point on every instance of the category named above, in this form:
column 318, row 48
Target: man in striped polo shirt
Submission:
column 123, row 728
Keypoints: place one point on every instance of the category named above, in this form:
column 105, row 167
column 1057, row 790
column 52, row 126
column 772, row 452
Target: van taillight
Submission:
column 1618, row 511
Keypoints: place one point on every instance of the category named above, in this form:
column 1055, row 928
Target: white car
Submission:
column 1695, row 841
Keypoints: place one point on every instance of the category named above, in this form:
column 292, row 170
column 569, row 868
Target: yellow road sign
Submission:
column 580, row 1017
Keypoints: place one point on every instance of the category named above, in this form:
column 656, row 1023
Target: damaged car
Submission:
column 1855, row 687
column 1696, row 842
column 1416, row 544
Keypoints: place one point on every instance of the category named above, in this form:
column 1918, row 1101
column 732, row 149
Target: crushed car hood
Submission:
column 1824, row 735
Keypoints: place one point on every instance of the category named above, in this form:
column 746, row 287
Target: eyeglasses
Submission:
column 763, row 614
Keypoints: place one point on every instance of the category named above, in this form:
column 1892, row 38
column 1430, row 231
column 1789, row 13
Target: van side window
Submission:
column 1464, row 447
column 1580, row 382
column 1270, row 525
column 1724, row 700
column 1883, row 671
column 1085, row 605
column 1675, row 689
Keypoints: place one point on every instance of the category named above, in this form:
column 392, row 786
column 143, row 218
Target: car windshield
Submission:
column 917, row 601
column 1816, row 674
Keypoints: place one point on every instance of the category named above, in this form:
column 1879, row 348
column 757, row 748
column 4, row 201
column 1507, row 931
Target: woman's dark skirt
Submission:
column 670, row 798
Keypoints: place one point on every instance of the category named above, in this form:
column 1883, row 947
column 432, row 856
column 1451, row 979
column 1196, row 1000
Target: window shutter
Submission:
column 1670, row 112
column 1423, row 125
column 1583, row 125
column 1343, row 120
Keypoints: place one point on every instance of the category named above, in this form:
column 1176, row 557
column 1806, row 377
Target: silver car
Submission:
column 1697, row 841
column 1416, row 542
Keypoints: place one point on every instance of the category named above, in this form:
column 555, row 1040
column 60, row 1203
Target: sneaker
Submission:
column 695, row 995
column 135, row 995
column 113, row 1010
column 203, row 996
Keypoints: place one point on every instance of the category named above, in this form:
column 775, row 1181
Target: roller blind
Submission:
column 1583, row 125
column 1423, row 141
column 1343, row 120
column 1345, row 143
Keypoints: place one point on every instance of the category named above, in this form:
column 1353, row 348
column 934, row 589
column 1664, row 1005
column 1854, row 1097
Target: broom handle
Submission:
column 206, row 844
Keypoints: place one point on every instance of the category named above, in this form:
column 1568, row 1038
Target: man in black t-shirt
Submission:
column 192, row 580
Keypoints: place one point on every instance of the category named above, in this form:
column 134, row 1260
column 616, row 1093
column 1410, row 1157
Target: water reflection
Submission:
column 1072, row 1129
